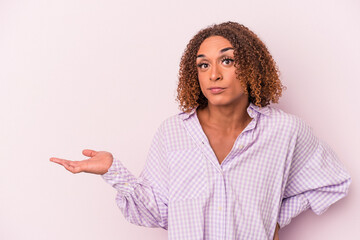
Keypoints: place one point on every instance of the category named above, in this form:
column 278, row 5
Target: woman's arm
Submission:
column 276, row 234
column 143, row 200
column 316, row 179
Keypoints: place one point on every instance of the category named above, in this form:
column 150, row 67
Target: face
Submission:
column 216, row 72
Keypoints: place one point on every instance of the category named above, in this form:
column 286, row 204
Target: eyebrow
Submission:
column 221, row 51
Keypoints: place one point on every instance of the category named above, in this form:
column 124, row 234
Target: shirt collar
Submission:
column 186, row 115
column 252, row 107
column 262, row 110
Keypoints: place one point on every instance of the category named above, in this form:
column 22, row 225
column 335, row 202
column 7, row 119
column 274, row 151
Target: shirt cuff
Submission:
column 291, row 207
column 120, row 178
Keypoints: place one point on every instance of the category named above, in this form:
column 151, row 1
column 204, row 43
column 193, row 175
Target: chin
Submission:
column 223, row 101
column 219, row 103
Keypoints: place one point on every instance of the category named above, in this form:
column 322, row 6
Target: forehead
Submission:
column 213, row 44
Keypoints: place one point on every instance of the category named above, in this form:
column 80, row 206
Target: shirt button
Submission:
column 220, row 208
column 126, row 184
column 241, row 146
column 115, row 173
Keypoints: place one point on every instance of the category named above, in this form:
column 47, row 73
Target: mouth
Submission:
column 216, row 90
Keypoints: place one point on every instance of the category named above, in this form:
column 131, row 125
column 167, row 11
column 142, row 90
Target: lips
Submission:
column 216, row 90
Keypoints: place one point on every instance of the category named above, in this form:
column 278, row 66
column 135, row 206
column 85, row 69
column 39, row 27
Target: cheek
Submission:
column 201, row 75
column 202, row 89
column 230, row 75
column 239, row 87
column 202, row 80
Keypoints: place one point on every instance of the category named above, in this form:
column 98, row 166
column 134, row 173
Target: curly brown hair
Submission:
column 255, row 67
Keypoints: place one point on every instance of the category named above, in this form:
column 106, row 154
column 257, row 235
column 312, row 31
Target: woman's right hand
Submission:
column 98, row 163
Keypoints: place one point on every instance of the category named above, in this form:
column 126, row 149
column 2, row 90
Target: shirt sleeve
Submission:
column 316, row 177
column 143, row 201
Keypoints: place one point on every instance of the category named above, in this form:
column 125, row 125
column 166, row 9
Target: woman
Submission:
column 228, row 166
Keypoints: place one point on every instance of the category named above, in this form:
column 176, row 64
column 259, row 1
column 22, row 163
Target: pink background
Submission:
column 102, row 75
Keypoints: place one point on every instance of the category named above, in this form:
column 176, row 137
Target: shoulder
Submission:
column 279, row 119
column 172, row 122
column 277, row 114
column 172, row 127
column 282, row 125
column 174, row 133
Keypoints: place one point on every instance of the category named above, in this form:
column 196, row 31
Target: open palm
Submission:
column 98, row 163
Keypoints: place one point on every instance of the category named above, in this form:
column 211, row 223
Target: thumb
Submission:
column 89, row 152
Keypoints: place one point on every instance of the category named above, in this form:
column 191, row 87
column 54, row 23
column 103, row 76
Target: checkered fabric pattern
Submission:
column 276, row 169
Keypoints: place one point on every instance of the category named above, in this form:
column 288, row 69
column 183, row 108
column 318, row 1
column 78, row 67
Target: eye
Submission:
column 227, row 60
column 203, row 65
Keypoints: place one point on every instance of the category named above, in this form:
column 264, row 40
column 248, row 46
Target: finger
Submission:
column 61, row 162
column 89, row 152
column 58, row 160
column 72, row 168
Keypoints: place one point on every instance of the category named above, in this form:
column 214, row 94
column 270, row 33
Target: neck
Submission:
column 227, row 118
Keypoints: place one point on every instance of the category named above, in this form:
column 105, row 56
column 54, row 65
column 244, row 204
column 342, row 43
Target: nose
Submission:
column 215, row 73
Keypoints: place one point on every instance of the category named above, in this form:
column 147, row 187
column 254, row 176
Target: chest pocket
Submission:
column 188, row 177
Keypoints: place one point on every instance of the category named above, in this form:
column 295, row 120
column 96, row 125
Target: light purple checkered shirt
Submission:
column 275, row 170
